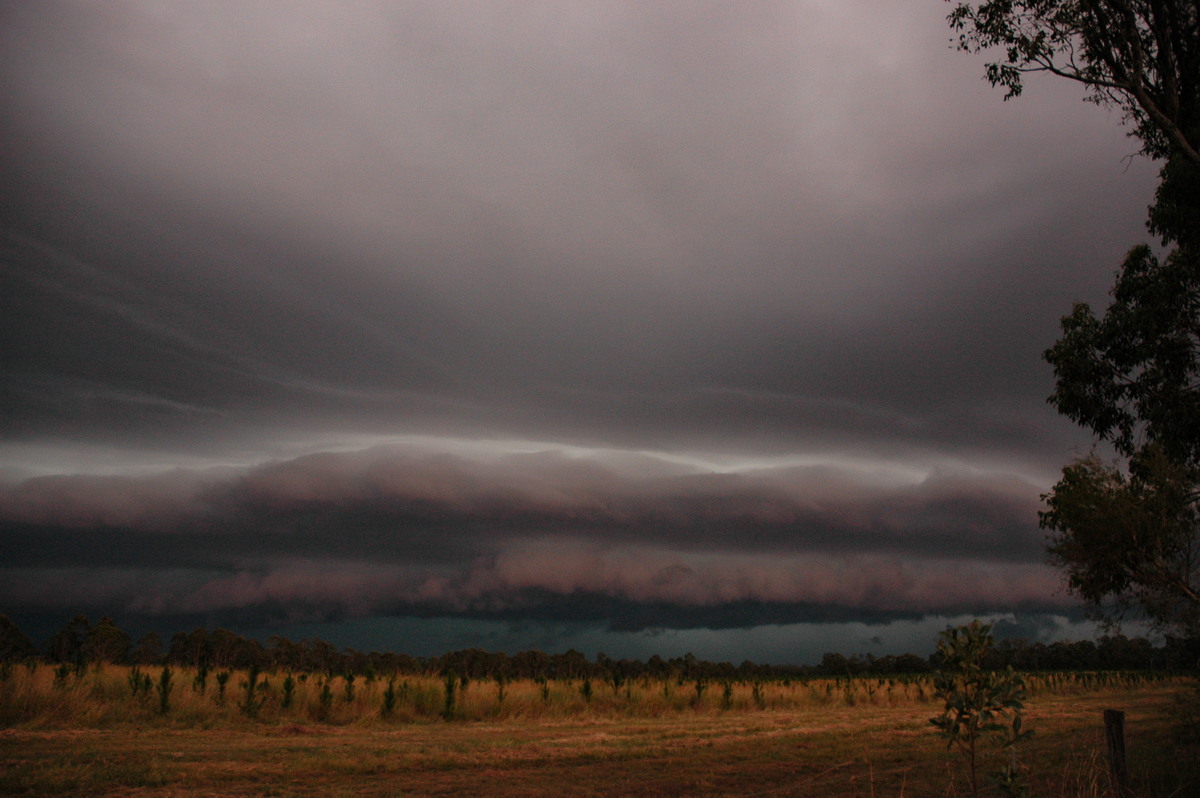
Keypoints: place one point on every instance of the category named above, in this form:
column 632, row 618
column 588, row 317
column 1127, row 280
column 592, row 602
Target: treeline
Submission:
column 80, row 643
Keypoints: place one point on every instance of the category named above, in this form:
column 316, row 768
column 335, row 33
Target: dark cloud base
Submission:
column 622, row 615
column 651, row 233
column 638, row 542
column 786, row 639
column 753, row 235
column 534, row 607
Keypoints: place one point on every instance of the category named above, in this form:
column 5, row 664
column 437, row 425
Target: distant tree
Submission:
column 224, row 646
column 530, row 664
column 571, row 665
column 911, row 663
column 14, row 645
column 1078, row 655
column 324, row 657
column 355, row 661
column 66, row 646
column 250, row 654
column 1181, row 653
column 834, row 664
column 105, row 642
column 1122, row 653
column 284, row 653
column 191, row 648
column 148, row 651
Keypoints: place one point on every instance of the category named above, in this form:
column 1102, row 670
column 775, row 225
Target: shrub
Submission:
column 978, row 703
column 448, row 703
column 164, row 691
column 200, row 683
column 324, row 701
column 252, row 701
column 139, row 683
column 389, row 698
column 222, row 680
column 501, row 684
column 289, row 692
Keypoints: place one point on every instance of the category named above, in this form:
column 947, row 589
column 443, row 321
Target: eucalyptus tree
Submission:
column 1125, row 531
column 14, row 645
column 1140, row 55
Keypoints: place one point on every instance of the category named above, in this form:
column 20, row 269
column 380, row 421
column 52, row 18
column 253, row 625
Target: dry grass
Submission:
column 821, row 738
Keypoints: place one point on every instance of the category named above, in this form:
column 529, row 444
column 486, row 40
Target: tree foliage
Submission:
column 1140, row 55
column 14, row 645
column 1128, row 540
column 67, row 644
column 148, row 651
column 1125, row 533
column 1132, row 375
column 105, row 642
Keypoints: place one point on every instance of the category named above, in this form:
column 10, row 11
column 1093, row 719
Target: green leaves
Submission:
column 1127, row 537
column 1130, row 539
column 1141, row 57
column 252, row 701
column 1131, row 377
column 977, row 702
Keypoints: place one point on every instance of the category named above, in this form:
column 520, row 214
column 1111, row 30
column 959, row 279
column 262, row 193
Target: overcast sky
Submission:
column 638, row 327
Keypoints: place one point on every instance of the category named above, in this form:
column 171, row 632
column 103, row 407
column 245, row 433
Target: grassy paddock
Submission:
column 88, row 733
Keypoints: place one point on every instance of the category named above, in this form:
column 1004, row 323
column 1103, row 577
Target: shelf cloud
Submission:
column 678, row 315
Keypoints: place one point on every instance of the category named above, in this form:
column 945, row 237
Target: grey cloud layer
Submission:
column 659, row 225
column 773, row 232
column 388, row 530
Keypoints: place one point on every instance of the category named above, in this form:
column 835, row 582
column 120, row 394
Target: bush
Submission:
column 164, row 691
column 979, row 703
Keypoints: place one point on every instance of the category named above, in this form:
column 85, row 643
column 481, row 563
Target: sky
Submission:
column 630, row 327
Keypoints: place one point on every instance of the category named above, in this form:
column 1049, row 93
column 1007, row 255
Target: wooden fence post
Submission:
column 1114, row 731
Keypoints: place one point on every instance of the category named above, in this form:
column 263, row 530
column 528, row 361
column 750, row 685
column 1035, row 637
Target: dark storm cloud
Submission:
column 388, row 530
column 761, row 227
column 385, row 491
column 794, row 259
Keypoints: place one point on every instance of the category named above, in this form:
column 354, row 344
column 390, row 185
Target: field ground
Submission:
column 869, row 748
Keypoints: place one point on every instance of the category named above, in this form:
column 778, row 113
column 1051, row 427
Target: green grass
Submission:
column 92, row 738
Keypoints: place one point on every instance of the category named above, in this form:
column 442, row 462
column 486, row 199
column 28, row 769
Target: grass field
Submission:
column 88, row 734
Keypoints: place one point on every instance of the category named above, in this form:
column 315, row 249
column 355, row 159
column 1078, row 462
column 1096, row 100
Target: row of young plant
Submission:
column 980, row 711
column 109, row 694
column 347, row 697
